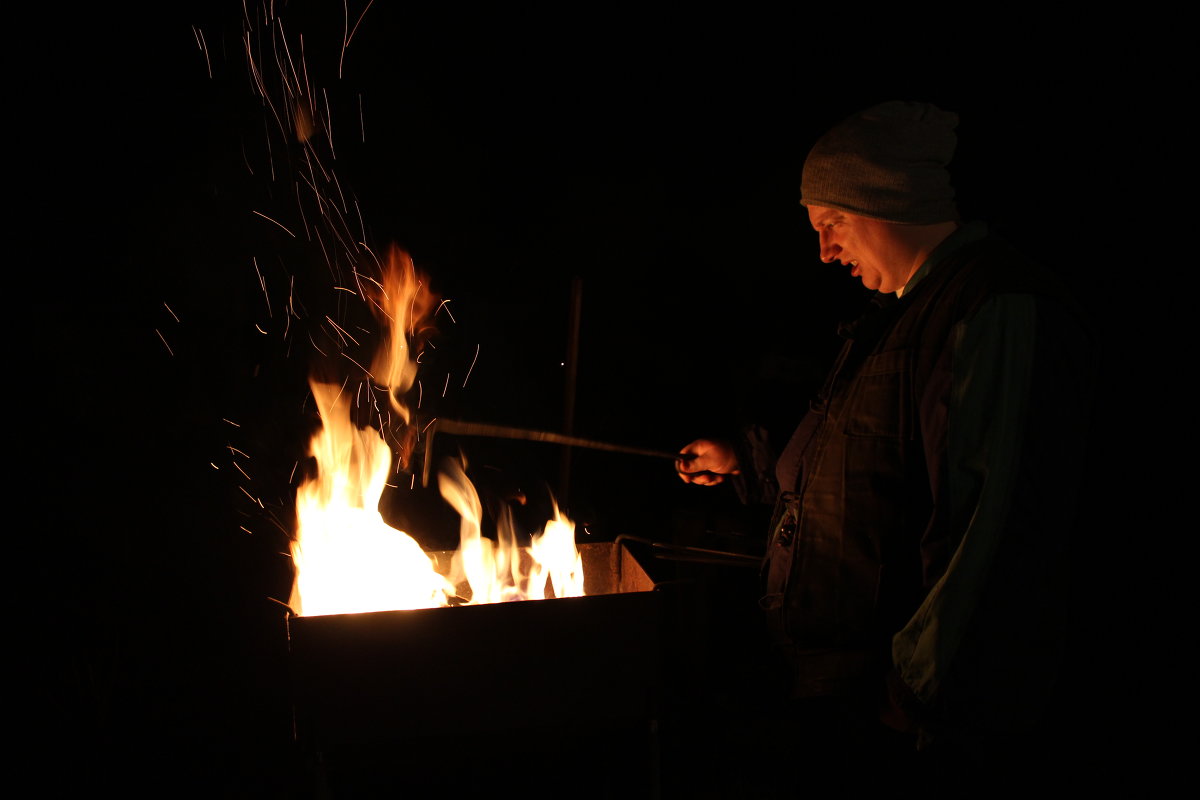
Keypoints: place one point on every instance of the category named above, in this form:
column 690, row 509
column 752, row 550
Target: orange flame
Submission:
column 347, row 559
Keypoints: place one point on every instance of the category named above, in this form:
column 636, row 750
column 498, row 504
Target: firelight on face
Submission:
column 870, row 247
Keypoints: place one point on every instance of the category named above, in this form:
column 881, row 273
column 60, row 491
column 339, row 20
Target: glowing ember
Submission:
column 347, row 559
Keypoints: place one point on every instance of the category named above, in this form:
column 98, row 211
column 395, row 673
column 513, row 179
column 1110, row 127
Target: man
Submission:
column 914, row 567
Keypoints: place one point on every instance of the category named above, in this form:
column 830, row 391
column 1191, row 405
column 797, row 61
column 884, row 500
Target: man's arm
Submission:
column 989, row 636
column 984, row 426
column 747, row 460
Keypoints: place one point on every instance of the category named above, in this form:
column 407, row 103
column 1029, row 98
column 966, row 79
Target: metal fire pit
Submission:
column 563, row 675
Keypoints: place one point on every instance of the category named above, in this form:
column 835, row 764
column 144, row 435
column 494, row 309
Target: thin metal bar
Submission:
column 572, row 371
column 463, row 428
column 681, row 552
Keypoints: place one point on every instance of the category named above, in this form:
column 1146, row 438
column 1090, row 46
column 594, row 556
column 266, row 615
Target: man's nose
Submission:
column 829, row 250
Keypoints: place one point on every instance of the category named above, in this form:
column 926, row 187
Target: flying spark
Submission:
column 268, row 219
column 287, row 318
column 328, row 128
column 346, row 37
column 362, row 226
column 263, row 283
column 204, row 47
column 304, row 218
column 339, row 394
column 411, row 316
column 288, row 53
column 164, row 341
column 314, row 344
column 246, row 159
column 476, row 358
column 338, row 185
column 340, row 329
column 368, row 277
column 360, row 366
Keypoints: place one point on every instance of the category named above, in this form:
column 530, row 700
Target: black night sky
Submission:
column 651, row 158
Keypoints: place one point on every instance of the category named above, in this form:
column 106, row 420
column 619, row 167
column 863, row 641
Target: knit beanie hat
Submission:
column 888, row 163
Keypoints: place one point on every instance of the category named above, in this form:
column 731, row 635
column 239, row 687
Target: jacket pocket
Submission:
column 880, row 404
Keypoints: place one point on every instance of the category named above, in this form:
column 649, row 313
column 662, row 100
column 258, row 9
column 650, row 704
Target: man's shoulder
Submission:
column 992, row 266
column 987, row 268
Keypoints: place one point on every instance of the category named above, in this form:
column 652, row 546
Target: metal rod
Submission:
column 682, row 552
column 572, row 371
column 462, row 428
column 505, row 432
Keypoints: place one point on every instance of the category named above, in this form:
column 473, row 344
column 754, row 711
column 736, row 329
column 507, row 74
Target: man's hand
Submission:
column 710, row 462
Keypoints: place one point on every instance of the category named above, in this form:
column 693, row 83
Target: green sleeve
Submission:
column 987, row 406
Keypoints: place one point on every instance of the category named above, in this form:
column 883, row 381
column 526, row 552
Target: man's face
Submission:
column 870, row 247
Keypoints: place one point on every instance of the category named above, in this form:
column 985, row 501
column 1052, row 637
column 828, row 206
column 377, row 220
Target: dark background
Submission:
column 651, row 157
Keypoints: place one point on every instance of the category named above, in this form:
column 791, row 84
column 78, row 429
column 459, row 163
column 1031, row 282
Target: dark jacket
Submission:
column 866, row 526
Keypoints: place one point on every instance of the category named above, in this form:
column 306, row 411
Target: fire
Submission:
column 347, row 558
column 500, row 572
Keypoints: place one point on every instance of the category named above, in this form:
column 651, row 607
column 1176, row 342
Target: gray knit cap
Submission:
column 888, row 162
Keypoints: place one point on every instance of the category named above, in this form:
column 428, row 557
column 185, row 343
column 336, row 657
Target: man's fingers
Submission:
column 703, row 478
